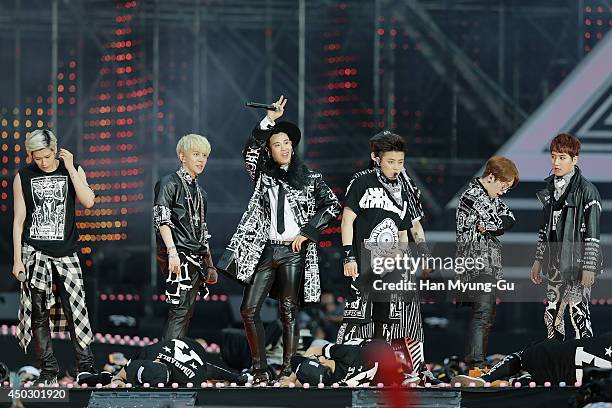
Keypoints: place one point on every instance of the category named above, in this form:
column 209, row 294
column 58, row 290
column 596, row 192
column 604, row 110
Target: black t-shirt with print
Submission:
column 555, row 361
column 50, row 225
column 380, row 217
column 184, row 357
column 358, row 361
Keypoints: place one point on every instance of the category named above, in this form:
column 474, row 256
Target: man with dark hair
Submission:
column 481, row 218
column 274, row 250
column 568, row 245
column 381, row 205
column 550, row 360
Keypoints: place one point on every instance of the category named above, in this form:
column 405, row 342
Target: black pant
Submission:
column 41, row 333
column 483, row 316
column 179, row 315
column 283, row 268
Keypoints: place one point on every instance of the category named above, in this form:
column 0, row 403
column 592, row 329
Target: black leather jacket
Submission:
column 577, row 229
column 170, row 208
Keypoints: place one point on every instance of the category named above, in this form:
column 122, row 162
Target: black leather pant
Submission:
column 283, row 268
column 179, row 315
column 41, row 332
column 483, row 316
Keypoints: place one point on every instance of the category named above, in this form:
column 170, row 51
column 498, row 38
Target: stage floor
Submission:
column 227, row 396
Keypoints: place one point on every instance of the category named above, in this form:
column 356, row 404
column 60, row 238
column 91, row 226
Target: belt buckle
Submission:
column 278, row 242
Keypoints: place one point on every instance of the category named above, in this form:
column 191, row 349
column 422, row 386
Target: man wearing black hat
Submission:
column 274, row 248
column 180, row 361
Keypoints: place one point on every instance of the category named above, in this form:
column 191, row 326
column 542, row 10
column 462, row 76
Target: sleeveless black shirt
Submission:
column 50, row 225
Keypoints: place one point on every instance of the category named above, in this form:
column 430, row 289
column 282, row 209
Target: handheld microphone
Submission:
column 21, row 276
column 257, row 105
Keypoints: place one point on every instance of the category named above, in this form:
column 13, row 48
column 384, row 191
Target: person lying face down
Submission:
column 549, row 360
column 357, row 362
column 180, row 361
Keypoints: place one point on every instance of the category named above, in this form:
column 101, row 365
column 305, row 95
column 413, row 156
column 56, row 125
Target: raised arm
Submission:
column 83, row 192
column 254, row 149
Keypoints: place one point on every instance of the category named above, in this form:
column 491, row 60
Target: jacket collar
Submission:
column 545, row 194
column 478, row 183
column 184, row 174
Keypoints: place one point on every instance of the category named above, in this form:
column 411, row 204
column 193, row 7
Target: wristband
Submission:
column 423, row 249
column 348, row 251
column 349, row 259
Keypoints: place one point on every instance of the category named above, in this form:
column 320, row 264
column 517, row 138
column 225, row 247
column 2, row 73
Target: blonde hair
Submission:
column 40, row 139
column 192, row 142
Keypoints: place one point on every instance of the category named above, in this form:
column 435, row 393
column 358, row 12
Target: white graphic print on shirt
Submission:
column 49, row 194
column 180, row 349
column 377, row 197
column 555, row 219
column 383, row 239
column 182, row 357
column 586, row 359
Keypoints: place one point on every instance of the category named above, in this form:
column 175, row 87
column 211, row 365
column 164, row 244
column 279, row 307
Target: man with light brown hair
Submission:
column 568, row 245
column 481, row 218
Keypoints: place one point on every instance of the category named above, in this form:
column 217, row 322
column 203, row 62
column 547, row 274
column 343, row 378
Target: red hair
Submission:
column 565, row 143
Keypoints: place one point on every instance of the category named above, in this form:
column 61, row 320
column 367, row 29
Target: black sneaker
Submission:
column 244, row 377
column 46, row 379
column 86, row 373
column 262, row 376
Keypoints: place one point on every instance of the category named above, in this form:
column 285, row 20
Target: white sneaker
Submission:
column 410, row 379
column 467, row 381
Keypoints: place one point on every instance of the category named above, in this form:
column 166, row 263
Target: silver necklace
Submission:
column 195, row 209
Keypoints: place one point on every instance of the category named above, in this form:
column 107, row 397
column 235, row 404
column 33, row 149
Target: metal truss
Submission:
column 476, row 91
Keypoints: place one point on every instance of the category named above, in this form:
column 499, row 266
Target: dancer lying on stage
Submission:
column 180, row 361
column 550, row 360
column 357, row 362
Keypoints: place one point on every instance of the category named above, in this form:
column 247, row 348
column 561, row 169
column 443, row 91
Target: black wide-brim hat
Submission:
column 289, row 128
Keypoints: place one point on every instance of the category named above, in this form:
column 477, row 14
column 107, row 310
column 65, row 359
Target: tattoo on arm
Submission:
column 417, row 234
